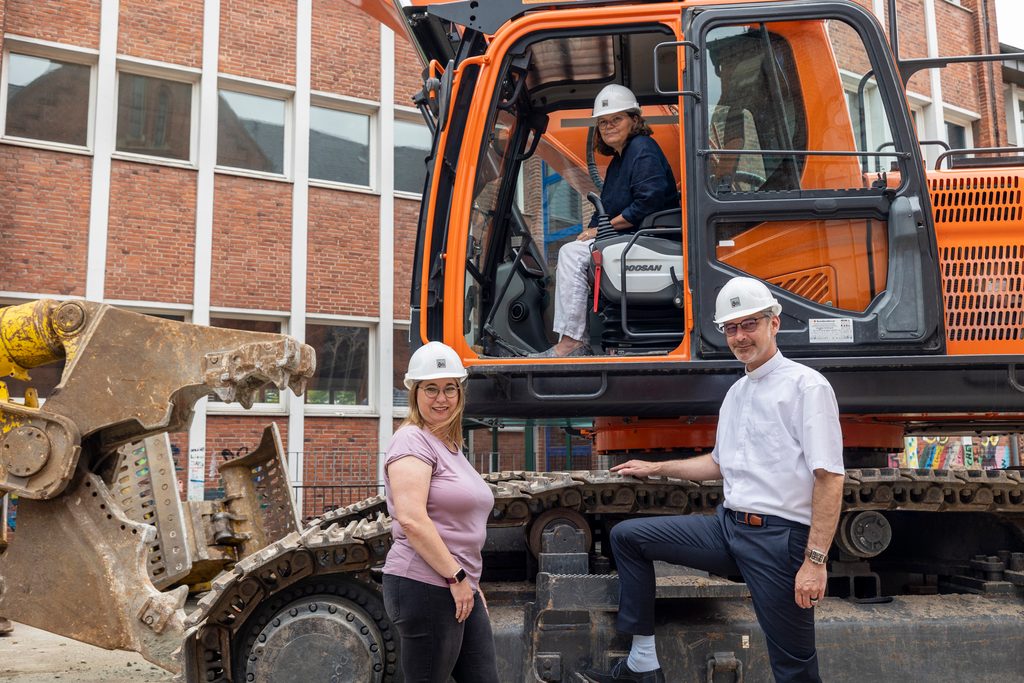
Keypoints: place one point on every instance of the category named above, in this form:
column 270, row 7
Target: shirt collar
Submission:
column 769, row 365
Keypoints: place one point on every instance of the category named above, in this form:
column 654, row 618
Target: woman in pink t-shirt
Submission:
column 439, row 507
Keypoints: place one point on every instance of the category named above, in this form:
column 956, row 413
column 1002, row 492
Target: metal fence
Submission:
column 316, row 499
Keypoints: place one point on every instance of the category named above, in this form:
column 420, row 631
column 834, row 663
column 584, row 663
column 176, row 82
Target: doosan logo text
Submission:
column 643, row 268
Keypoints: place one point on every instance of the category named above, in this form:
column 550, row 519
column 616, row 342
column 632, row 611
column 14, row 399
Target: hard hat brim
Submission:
column 411, row 382
column 775, row 308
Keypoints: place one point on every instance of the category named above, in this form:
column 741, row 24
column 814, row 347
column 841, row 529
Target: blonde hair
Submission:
column 449, row 431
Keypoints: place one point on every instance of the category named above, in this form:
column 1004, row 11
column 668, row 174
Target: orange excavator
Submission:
column 787, row 124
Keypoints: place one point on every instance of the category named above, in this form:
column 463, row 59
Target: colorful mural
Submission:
column 954, row 452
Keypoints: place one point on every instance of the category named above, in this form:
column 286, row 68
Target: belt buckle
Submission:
column 750, row 519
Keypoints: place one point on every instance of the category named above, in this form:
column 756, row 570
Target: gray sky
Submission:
column 1010, row 14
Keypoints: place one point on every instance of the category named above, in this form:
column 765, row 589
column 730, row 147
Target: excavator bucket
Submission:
column 95, row 478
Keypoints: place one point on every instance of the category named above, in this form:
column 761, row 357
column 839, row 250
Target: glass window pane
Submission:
column 154, row 116
column 342, row 365
column 956, row 136
column 841, row 263
column 47, row 100
column 399, row 394
column 412, row 145
column 268, row 393
column 250, row 132
column 758, row 76
column 339, row 146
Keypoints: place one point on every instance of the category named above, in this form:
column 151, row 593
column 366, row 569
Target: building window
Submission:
column 339, row 146
column 956, row 135
column 400, row 359
column 342, row 365
column 47, row 100
column 268, row 394
column 154, row 116
column 250, row 132
column 412, row 145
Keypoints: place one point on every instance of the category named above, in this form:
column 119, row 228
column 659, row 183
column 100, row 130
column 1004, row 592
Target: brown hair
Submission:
column 640, row 127
column 449, row 431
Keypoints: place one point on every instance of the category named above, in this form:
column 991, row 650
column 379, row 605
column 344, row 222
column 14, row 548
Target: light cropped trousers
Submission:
column 572, row 289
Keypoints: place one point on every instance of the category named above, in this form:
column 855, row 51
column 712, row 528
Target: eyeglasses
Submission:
column 749, row 325
column 613, row 122
column 432, row 390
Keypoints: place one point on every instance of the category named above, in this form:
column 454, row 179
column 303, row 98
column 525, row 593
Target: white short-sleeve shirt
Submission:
column 777, row 425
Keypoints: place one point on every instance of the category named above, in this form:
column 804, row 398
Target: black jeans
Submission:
column 434, row 645
column 768, row 558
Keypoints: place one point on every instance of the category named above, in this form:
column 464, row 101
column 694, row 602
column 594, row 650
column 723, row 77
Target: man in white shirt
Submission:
column 779, row 453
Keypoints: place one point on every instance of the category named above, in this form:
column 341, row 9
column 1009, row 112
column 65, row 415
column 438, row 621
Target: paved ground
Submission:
column 29, row 655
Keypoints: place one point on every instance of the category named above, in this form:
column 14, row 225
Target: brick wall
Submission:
column 990, row 131
column 408, row 71
column 44, row 219
column 343, row 253
column 257, row 39
column 407, row 213
column 151, row 234
column 251, row 243
column 165, row 31
column 73, row 22
column 228, row 436
column 346, row 49
column 340, row 451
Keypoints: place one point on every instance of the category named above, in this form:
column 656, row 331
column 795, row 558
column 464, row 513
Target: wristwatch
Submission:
column 816, row 556
column 458, row 577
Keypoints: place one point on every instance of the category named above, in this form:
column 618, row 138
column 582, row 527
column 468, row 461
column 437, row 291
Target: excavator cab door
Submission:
column 804, row 172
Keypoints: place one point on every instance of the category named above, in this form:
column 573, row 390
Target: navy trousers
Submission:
column 767, row 557
column 434, row 645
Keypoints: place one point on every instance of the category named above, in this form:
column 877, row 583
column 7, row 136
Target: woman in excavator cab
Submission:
column 639, row 182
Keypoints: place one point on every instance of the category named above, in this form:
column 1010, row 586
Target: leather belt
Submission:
column 748, row 518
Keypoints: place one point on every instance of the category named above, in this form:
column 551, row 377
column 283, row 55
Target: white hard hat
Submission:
column 613, row 99
column 434, row 360
column 742, row 296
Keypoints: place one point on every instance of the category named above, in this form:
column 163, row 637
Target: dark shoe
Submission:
column 5, row 627
column 621, row 672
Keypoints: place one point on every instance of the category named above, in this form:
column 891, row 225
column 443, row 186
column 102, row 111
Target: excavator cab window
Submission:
column 536, row 166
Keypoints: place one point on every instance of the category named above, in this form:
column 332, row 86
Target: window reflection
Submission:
column 47, row 100
column 250, row 132
column 339, row 146
column 342, row 365
column 412, row 145
column 154, row 116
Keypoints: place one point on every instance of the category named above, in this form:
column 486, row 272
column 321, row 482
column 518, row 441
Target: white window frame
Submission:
column 373, row 391
column 352, row 105
column 167, row 72
column 272, row 91
column 223, row 408
column 409, row 115
column 400, row 412
column 45, row 49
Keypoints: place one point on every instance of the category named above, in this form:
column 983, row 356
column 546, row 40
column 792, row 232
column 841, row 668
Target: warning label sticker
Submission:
column 830, row 330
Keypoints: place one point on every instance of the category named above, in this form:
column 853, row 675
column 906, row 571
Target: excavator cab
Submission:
column 796, row 161
column 797, row 164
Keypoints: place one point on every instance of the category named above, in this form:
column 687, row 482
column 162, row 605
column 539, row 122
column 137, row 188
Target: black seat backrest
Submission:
column 669, row 218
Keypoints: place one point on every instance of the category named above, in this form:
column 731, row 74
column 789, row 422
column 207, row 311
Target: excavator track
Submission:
column 245, row 628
